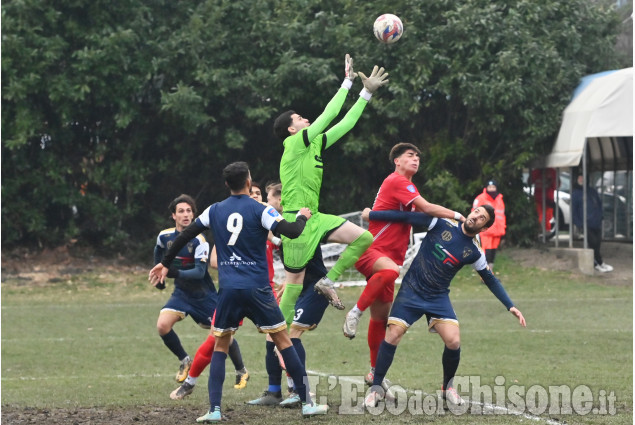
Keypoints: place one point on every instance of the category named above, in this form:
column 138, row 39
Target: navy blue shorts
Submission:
column 201, row 309
column 309, row 309
column 410, row 305
column 257, row 304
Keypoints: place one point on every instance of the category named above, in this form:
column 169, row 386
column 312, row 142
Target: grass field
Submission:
column 89, row 344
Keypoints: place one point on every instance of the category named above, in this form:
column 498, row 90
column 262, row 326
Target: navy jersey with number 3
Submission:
column 240, row 226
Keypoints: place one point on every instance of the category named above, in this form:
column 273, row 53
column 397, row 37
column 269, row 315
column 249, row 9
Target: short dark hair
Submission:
column 399, row 149
column 256, row 184
column 282, row 123
column 491, row 213
column 180, row 199
column 236, row 175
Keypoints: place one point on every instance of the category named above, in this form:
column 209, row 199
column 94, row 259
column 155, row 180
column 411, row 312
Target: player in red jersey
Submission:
column 380, row 263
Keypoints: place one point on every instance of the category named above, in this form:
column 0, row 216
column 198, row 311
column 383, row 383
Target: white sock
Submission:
column 191, row 380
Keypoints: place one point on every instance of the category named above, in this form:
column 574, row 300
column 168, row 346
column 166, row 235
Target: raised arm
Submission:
column 377, row 79
column 334, row 107
column 435, row 210
column 414, row 218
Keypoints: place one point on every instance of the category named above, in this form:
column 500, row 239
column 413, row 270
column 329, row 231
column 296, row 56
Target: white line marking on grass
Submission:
column 117, row 376
column 484, row 405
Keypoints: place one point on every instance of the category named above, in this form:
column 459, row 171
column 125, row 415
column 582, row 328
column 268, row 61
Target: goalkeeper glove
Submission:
column 377, row 79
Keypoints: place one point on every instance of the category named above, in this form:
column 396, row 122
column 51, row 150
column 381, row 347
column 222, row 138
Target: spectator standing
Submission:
column 593, row 220
column 491, row 238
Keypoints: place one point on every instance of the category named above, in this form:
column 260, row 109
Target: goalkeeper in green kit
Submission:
column 301, row 171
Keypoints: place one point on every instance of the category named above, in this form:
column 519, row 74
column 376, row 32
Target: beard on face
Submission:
column 471, row 229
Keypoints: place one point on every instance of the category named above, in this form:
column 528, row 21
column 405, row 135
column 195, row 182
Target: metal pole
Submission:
column 584, row 193
column 571, row 208
column 544, row 206
column 556, row 208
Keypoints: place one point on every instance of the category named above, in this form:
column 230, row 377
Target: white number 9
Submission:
column 234, row 226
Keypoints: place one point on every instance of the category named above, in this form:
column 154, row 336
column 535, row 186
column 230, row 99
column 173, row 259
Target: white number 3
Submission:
column 235, row 226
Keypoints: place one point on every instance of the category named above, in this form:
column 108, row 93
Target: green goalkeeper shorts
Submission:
column 298, row 252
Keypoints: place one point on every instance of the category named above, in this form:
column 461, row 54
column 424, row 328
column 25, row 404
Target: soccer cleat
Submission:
column 368, row 379
column 241, row 379
column 314, row 409
column 268, row 398
column 326, row 288
column 292, row 401
column 184, row 369
column 350, row 323
column 373, row 398
column 181, row 392
column 210, row 417
column 450, row 395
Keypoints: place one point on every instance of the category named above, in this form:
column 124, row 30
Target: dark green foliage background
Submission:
column 137, row 102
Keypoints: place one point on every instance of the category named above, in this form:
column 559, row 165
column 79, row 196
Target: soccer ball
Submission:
column 388, row 28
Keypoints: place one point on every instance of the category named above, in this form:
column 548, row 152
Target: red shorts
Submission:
column 365, row 266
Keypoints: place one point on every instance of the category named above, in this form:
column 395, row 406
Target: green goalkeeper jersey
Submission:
column 301, row 166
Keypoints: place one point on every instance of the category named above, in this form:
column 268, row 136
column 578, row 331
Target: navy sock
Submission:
column 216, row 379
column 450, row 361
column 385, row 357
column 172, row 341
column 273, row 367
column 235, row 355
column 299, row 348
column 297, row 372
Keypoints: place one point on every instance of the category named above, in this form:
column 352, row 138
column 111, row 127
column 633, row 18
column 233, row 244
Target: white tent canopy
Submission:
column 603, row 109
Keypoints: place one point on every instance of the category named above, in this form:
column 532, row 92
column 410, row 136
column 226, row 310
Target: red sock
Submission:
column 376, row 334
column 203, row 357
column 374, row 286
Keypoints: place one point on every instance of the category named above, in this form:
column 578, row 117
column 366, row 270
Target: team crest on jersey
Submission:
column 272, row 212
column 446, row 235
column 411, row 188
column 169, row 244
column 190, row 247
column 467, row 252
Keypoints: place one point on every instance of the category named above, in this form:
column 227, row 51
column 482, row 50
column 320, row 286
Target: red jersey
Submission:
column 391, row 239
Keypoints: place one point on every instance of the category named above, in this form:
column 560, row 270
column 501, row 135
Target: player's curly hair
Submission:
column 282, row 123
column 399, row 149
column 236, row 175
column 180, row 199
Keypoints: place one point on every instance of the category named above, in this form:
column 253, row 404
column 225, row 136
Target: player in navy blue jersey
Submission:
column 447, row 246
column 194, row 291
column 240, row 226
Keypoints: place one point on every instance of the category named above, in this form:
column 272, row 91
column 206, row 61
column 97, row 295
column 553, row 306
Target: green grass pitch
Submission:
column 91, row 341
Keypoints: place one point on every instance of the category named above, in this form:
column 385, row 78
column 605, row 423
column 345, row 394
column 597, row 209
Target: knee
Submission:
column 394, row 334
column 163, row 327
column 453, row 344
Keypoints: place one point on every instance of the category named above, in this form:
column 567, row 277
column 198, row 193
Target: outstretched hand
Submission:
column 519, row 315
column 157, row 274
column 348, row 68
column 377, row 79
